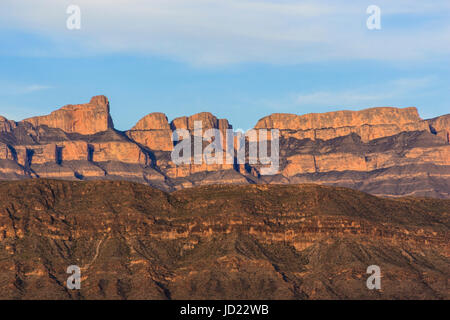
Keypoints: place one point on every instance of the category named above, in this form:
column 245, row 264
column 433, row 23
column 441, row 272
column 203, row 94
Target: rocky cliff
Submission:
column 132, row 241
column 369, row 124
column 153, row 131
column 84, row 119
column 383, row 151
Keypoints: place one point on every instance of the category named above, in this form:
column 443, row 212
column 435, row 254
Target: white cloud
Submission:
column 216, row 32
column 9, row 88
column 345, row 98
column 364, row 96
column 33, row 88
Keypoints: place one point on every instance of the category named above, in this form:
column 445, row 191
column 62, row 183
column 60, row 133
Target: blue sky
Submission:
column 240, row 60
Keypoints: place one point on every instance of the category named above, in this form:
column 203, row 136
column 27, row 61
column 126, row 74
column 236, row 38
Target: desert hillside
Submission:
column 133, row 241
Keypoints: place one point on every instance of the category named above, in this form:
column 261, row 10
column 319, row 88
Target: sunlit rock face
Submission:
column 369, row 124
column 441, row 127
column 84, row 119
column 208, row 120
column 384, row 151
column 153, row 131
column 6, row 125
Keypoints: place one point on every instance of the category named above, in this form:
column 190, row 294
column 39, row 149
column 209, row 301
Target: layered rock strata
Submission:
column 385, row 151
column 218, row 242
column 84, row 119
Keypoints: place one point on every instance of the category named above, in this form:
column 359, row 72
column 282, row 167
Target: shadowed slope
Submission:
column 233, row 242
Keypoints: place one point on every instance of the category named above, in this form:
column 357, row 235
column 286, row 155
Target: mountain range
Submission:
column 383, row 151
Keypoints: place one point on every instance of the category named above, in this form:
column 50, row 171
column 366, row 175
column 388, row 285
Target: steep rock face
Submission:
column 40, row 151
column 36, row 154
column 369, row 124
column 74, row 150
column 441, row 126
column 6, row 125
column 118, row 151
column 304, row 163
column 5, row 152
column 418, row 162
column 153, row 131
column 84, row 119
column 372, row 116
column 209, row 121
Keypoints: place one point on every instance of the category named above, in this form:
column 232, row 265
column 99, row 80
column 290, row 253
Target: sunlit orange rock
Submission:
column 153, row 131
column 6, row 125
column 85, row 119
column 369, row 124
column 441, row 126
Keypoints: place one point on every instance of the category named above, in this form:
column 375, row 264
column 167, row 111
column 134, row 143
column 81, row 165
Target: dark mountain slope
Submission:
column 233, row 242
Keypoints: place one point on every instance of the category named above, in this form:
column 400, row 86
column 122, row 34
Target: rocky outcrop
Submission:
column 208, row 120
column 118, row 151
column 369, row 124
column 337, row 119
column 7, row 125
column 6, row 152
column 304, row 163
column 153, row 131
column 36, row 154
column 153, row 121
column 84, row 119
column 441, row 127
column 74, row 150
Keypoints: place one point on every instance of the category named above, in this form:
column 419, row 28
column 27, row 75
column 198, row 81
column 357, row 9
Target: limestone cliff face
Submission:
column 75, row 150
column 209, row 121
column 372, row 116
column 6, row 152
column 384, row 151
column 153, row 131
column 369, row 124
column 6, row 125
column 85, row 119
column 118, row 151
column 36, row 154
column 153, row 121
column 340, row 162
column 441, row 126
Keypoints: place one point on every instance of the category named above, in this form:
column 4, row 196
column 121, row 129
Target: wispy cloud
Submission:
column 8, row 88
column 32, row 88
column 345, row 98
column 215, row 32
column 369, row 95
